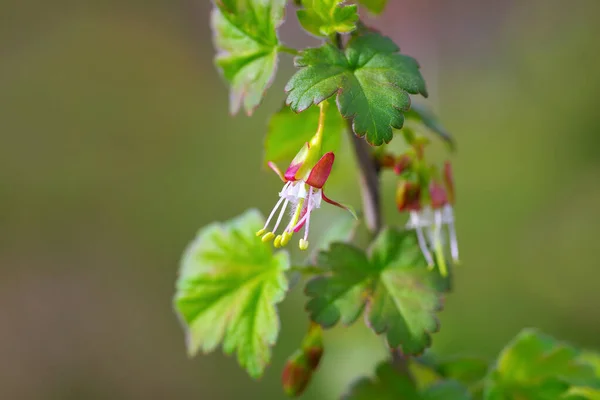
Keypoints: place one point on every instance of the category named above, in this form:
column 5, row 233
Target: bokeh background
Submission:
column 116, row 146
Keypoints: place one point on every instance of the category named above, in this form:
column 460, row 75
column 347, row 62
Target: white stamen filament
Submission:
column 414, row 220
column 281, row 215
column 273, row 212
column 308, row 210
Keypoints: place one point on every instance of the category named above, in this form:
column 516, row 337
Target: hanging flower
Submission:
column 303, row 191
column 430, row 218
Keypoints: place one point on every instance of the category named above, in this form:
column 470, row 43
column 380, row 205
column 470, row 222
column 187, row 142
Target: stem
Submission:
column 289, row 50
column 370, row 190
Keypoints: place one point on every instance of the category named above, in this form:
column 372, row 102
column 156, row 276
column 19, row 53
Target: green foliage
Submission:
column 371, row 79
column 419, row 117
column 246, row 38
column 537, row 367
column 228, row 286
column 325, row 17
column 401, row 293
column 289, row 131
column 391, row 384
column 374, row 6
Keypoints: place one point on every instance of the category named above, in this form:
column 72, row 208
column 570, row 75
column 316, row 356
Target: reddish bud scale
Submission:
column 387, row 161
column 296, row 375
column 449, row 181
column 404, row 162
column 408, row 196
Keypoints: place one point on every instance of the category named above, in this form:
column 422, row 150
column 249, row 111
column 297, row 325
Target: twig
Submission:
column 370, row 190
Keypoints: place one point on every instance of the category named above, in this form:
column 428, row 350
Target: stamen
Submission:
column 272, row 213
column 277, row 242
column 268, row 237
column 414, row 220
column 303, row 244
column 285, row 238
column 307, row 216
column 260, row 232
column 453, row 242
column 281, row 215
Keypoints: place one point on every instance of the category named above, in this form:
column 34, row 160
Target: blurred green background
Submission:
column 116, row 146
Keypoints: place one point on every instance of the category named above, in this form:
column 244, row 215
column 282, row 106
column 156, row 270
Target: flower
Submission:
column 430, row 219
column 303, row 190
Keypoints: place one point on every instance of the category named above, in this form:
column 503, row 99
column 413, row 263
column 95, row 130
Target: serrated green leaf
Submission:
column 325, row 17
column 371, row 79
column 420, row 115
column 446, row 390
column 289, row 131
column 405, row 298
column 245, row 35
column 537, row 367
column 374, row 6
column 395, row 284
column 342, row 295
column 229, row 284
column 388, row 384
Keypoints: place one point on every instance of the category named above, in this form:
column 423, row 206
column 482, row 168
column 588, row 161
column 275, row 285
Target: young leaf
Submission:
column 289, row 131
column 395, row 285
column 229, row 283
column 374, row 6
column 421, row 115
column 446, row 390
column 537, row 367
column 371, row 79
column 245, row 35
column 390, row 384
column 325, row 17
column 405, row 296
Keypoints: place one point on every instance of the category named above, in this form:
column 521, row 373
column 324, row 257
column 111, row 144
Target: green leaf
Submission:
column 371, row 79
column 446, row 390
column 229, row 283
column 394, row 283
column 419, row 115
column 325, row 17
column 289, row 131
column 374, row 6
column 390, row 384
column 537, row 367
column 466, row 370
column 245, row 35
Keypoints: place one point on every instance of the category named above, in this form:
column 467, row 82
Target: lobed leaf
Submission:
column 245, row 35
column 371, row 79
column 326, row 17
column 374, row 6
column 228, row 286
column 394, row 284
column 535, row 366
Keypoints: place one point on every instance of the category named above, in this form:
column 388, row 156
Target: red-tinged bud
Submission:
column 408, row 196
column 402, row 164
column 312, row 345
column 438, row 196
column 449, row 182
column 296, row 374
column 387, row 161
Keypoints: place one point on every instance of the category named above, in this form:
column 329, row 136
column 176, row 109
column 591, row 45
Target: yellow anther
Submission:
column 260, row 233
column 268, row 237
column 303, row 244
column 286, row 238
column 277, row 242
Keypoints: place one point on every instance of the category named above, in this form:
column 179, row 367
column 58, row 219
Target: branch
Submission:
column 370, row 189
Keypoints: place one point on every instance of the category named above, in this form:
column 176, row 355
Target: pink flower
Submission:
column 303, row 191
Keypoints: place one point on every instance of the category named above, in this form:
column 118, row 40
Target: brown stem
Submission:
column 370, row 189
